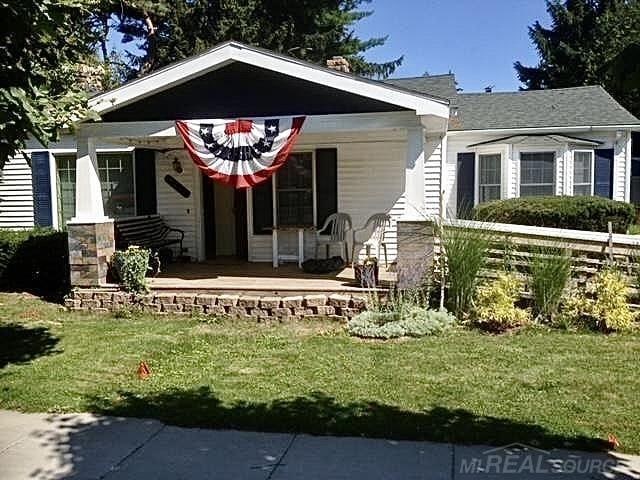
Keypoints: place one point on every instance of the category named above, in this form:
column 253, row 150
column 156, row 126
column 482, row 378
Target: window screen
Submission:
column 537, row 174
column 294, row 191
column 582, row 173
column 490, row 178
column 116, row 180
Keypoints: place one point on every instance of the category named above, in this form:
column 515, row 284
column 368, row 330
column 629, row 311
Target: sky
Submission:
column 478, row 40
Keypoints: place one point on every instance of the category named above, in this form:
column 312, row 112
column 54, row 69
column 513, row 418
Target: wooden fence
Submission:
column 515, row 245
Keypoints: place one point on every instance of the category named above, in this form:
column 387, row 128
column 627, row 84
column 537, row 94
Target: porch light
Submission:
column 177, row 166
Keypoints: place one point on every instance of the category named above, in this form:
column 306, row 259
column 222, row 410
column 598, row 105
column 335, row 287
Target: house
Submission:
column 410, row 147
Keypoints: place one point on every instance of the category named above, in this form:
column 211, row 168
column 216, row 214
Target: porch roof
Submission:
column 230, row 53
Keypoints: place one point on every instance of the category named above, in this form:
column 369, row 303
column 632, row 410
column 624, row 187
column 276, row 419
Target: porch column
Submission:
column 414, row 174
column 91, row 239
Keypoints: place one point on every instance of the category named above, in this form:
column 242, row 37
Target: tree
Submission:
column 313, row 30
column 47, row 58
column 589, row 42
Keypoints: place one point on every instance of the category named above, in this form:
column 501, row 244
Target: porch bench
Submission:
column 148, row 231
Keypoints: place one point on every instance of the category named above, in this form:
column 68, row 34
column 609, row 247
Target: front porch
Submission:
column 228, row 275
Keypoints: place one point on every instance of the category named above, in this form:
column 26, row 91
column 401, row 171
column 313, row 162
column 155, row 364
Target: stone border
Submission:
column 339, row 306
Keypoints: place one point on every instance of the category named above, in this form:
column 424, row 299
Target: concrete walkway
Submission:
column 83, row 446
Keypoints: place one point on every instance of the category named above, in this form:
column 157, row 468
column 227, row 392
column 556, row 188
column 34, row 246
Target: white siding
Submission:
column 370, row 180
column 16, row 194
column 432, row 167
column 180, row 212
column 459, row 142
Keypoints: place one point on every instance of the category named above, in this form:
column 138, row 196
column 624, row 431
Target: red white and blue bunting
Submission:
column 241, row 153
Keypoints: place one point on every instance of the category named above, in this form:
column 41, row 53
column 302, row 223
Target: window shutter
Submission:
column 466, row 180
column 603, row 173
column 41, row 180
column 262, row 200
column 145, row 167
column 326, row 183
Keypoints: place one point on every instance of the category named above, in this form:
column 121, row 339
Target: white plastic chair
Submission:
column 378, row 224
column 340, row 224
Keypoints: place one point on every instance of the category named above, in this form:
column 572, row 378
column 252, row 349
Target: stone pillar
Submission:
column 91, row 238
column 415, row 252
column 90, row 248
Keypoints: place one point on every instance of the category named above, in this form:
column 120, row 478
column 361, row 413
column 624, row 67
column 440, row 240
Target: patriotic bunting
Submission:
column 241, row 153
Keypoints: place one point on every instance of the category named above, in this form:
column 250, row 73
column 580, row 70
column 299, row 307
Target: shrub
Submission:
column 495, row 305
column 131, row 266
column 36, row 259
column 578, row 213
column 465, row 251
column 602, row 305
column 550, row 273
column 417, row 322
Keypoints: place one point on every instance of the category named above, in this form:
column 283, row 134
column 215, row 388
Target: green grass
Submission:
column 547, row 388
column 634, row 229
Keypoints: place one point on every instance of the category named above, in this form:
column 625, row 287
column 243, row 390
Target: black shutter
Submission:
column 262, row 199
column 145, row 164
column 603, row 173
column 466, row 180
column 41, row 179
column 326, row 183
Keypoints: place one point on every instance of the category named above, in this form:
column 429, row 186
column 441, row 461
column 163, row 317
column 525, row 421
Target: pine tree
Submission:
column 589, row 42
column 313, row 30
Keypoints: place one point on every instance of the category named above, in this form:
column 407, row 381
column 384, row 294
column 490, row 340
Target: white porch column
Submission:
column 89, row 206
column 91, row 238
column 414, row 174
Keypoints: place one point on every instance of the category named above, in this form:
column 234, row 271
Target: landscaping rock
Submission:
column 214, row 310
column 171, row 307
column 237, row 312
column 249, row 302
column 185, row 298
column 228, row 300
column 292, row 301
column 269, row 302
column 325, row 310
column 191, row 308
column 315, row 300
column 338, row 300
column 164, row 298
column 206, row 299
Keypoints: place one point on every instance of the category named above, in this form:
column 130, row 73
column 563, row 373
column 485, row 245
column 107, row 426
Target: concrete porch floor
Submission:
column 232, row 275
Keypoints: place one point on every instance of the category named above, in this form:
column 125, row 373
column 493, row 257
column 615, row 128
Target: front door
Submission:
column 224, row 213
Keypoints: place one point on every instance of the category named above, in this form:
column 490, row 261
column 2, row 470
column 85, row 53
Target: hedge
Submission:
column 576, row 213
column 35, row 260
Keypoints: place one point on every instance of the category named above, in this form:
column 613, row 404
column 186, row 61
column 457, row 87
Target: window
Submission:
column 489, row 181
column 537, row 174
column 294, row 191
column 66, row 187
column 582, row 172
column 116, row 179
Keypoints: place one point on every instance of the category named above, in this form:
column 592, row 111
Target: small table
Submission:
column 288, row 228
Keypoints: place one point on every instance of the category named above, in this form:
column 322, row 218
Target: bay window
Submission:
column 490, row 173
column 537, row 174
column 583, row 172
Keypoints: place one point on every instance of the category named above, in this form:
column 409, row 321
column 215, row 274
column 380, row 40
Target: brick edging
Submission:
column 342, row 306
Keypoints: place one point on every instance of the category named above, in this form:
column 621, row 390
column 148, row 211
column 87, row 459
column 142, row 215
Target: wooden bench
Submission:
column 148, row 231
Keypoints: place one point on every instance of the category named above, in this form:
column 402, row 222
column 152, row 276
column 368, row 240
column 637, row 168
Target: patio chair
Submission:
column 338, row 224
column 378, row 223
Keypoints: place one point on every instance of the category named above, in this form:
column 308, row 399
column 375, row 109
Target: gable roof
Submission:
column 561, row 107
column 443, row 86
column 230, row 52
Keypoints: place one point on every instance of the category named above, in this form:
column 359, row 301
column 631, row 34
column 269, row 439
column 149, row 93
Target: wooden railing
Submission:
column 589, row 251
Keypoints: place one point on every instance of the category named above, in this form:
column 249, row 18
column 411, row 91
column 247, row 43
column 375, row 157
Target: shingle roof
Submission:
column 443, row 86
column 560, row 107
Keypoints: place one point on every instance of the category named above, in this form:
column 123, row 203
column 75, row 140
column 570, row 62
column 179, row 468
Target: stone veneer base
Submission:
column 338, row 306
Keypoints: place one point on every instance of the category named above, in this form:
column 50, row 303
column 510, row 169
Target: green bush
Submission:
column 495, row 305
column 130, row 267
column 36, row 259
column 577, row 213
column 602, row 305
column 416, row 322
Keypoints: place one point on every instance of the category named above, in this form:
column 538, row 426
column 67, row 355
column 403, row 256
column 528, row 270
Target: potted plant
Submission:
column 367, row 273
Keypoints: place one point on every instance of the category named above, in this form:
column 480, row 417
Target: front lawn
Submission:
column 551, row 389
